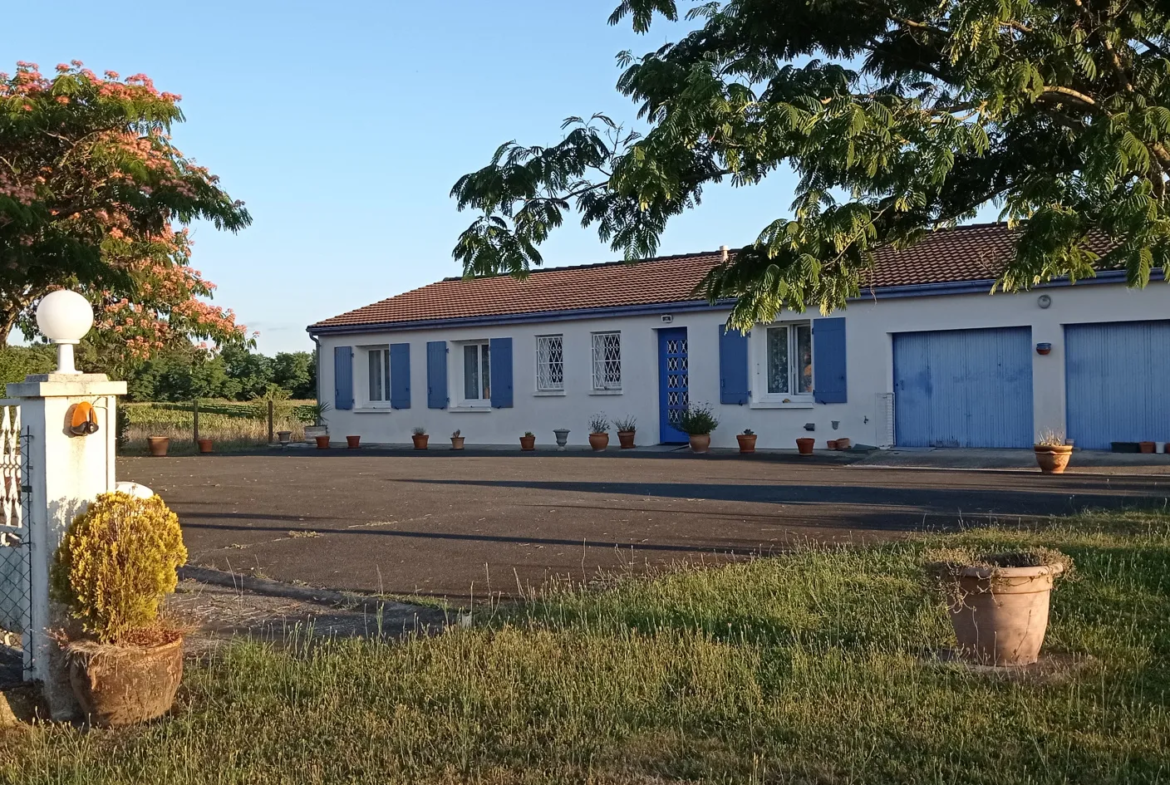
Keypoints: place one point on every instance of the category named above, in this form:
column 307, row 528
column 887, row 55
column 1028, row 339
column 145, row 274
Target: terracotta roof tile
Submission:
column 968, row 253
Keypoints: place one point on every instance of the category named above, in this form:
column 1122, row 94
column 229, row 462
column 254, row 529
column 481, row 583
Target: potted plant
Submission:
column 1052, row 452
column 420, row 437
column 316, row 414
column 205, row 446
column 998, row 603
column 747, row 441
column 284, row 437
column 562, row 435
column 697, row 422
column 322, row 442
column 456, row 441
column 528, row 441
column 626, row 429
column 116, row 563
column 804, row 446
column 158, row 445
column 599, row 432
column 353, row 442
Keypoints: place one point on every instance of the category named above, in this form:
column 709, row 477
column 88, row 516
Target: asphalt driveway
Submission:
column 464, row 525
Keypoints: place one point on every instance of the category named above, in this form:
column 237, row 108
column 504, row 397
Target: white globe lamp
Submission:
column 64, row 317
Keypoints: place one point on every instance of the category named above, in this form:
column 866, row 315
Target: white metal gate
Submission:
column 14, row 590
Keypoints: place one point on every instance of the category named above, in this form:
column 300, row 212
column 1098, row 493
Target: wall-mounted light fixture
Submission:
column 83, row 420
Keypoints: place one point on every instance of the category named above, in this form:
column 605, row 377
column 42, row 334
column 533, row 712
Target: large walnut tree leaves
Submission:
column 897, row 116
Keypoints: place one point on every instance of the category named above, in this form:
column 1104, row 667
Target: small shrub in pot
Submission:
column 599, row 432
column 115, row 564
column 747, row 441
column 420, row 437
column 627, row 428
column 528, row 441
column 697, row 422
column 1053, row 452
column 457, row 440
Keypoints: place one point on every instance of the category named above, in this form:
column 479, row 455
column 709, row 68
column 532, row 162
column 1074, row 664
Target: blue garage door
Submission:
column 1117, row 376
column 963, row 388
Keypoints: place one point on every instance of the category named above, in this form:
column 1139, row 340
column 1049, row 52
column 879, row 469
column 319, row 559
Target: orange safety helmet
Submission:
column 84, row 420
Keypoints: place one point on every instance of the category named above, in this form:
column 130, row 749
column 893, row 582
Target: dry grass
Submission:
column 812, row 667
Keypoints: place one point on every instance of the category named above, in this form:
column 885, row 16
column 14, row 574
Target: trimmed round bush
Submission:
column 116, row 563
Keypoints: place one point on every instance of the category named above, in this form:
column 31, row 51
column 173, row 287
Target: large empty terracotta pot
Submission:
column 1002, row 615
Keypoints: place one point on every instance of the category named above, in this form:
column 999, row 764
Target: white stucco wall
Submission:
column 870, row 326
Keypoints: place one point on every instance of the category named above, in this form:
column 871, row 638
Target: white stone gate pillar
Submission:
column 63, row 473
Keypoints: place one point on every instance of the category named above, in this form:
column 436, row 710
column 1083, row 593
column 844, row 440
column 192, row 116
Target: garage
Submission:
column 963, row 388
column 1117, row 376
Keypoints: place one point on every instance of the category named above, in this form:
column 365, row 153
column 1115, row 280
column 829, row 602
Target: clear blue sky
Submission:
column 344, row 124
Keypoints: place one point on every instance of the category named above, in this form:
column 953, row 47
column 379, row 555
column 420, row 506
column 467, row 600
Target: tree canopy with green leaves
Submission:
column 95, row 196
column 898, row 116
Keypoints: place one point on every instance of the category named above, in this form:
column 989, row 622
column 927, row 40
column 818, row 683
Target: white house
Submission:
column 925, row 358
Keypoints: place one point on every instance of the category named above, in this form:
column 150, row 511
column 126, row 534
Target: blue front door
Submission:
column 673, row 383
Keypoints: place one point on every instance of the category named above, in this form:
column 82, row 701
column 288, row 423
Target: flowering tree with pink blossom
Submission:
column 94, row 196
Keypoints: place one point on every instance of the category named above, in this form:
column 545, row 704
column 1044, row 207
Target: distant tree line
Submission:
column 184, row 372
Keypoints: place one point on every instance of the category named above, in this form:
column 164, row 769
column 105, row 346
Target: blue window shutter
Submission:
column 342, row 377
column 436, row 374
column 733, row 366
column 829, row 384
column 501, row 359
column 400, row 376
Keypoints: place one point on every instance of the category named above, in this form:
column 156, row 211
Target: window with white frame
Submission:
column 788, row 360
column 377, row 373
column 550, row 363
column 476, row 370
column 607, row 361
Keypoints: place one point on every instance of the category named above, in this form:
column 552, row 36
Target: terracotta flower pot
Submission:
column 158, row 445
column 700, row 442
column 1053, row 458
column 1147, row 447
column 205, row 446
column 527, row 443
column 123, row 685
column 831, row 444
column 1003, row 614
column 805, row 446
column 322, row 442
column 844, row 444
column 457, row 442
column 420, row 440
column 626, row 439
column 353, row 442
column 747, row 442
column 599, row 441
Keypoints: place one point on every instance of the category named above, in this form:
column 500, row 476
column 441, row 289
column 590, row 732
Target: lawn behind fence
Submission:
column 813, row 667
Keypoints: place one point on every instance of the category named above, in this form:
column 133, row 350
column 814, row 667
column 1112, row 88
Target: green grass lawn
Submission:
column 804, row 668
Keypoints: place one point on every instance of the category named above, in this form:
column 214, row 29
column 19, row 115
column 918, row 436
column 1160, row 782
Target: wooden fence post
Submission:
column 271, row 407
column 195, row 411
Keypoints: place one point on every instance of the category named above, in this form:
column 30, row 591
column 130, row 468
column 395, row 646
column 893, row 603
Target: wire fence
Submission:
column 227, row 425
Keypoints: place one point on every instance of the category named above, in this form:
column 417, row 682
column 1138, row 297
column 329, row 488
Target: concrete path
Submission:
column 462, row 526
column 1083, row 461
